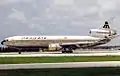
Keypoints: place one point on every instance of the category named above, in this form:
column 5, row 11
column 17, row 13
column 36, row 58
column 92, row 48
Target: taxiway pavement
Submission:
column 61, row 65
column 76, row 53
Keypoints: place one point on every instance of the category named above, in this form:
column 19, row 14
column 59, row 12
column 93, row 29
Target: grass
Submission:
column 18, row 60
column 63, row 72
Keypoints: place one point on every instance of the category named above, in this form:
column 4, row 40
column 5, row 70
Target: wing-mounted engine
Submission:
column 54, row 47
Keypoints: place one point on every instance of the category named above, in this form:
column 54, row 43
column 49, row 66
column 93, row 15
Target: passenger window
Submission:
column 44, row 37
column 38, row 37
column 26, row 37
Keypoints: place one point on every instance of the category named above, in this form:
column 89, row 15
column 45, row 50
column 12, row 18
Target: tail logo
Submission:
column 106, row 25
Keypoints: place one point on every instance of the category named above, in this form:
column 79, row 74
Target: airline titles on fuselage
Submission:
column 33, row 38
column 37, row 37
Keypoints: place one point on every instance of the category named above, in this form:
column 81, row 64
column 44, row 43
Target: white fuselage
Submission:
column 43, row 41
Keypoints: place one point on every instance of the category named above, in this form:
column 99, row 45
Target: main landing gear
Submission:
column 67, row 50
column 19, row 50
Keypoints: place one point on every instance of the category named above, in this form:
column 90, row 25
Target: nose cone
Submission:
column 2, row 42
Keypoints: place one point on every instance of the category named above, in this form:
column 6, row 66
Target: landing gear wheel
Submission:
column 63, row 51
column 19, row 50
column 67, row 50
column 70, row 51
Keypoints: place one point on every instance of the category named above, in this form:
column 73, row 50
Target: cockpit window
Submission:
column 6, row 40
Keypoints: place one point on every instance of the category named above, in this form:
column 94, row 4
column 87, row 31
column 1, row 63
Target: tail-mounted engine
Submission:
column 105, row 31
column 100, row 32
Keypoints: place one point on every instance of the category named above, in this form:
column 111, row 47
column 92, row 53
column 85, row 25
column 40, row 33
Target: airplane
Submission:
column 65, row 44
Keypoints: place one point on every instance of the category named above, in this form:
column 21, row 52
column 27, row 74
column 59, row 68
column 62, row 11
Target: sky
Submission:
column 57, row 17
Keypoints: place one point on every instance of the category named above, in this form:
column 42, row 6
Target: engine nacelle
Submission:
column 100, row 32
column 54, row 47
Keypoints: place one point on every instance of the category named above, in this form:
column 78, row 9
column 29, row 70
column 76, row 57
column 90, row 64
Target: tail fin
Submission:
column 106, row 25
column 105, row 31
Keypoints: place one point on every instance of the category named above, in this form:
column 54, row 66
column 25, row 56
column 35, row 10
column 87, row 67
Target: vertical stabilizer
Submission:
column 105, row 31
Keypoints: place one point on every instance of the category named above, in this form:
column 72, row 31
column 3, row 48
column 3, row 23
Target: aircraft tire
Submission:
column 70, row 51
column 63, row 51
column 67, row 51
